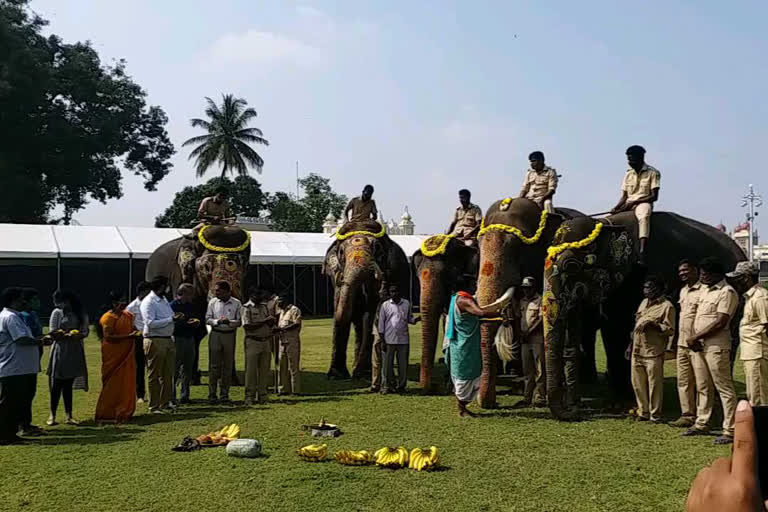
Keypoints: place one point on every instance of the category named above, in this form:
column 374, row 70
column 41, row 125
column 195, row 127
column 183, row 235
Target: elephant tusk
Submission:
column 501, row 301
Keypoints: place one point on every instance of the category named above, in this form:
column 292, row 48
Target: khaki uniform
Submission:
column 648, row 346
column 258, row 348
column 686, row 381
column 210, row 208
column 539, row 184
column 290, row 351
column 638, row 185
column 754, row 344
column 466, row 222
column 712, row 366
column 533, row 351
column 362, row 211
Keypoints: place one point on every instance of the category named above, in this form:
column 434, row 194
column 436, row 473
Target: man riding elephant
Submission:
column 592, row 274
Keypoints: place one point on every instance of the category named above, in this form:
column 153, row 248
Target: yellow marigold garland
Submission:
column 368, row 233
column 515, row 231
column 553, row 251
column 216, row 248
column 440, row 249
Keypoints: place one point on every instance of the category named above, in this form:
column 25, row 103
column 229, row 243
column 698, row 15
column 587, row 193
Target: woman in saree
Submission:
column 462, row 343
column 117, row 401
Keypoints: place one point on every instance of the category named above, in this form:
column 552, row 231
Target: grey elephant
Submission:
column 439, row 263
column 513, row 244
column 358, row 262
column 592, row 280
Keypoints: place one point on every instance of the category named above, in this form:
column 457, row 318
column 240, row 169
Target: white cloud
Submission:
column 258, row 47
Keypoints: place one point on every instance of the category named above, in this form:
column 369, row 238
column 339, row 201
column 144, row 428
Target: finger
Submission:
column 721, row 467
column 744, row 444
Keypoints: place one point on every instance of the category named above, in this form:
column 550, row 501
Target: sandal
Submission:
column 723, row 440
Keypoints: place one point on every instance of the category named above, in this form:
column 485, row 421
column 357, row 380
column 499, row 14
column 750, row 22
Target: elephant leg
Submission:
column 572, row 358
column 588, row 367
column 361, row 351
column 616, row 335
column 338, row 368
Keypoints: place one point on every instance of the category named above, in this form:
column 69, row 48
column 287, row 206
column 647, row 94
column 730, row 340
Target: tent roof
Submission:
column 108, row 242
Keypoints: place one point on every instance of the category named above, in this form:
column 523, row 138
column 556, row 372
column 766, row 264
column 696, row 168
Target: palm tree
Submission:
column 228, row 139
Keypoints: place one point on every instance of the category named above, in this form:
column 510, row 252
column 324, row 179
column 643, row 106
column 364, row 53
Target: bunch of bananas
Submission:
column 353, row 458
column 391, row 457
column 424, row 458
column 313, row 452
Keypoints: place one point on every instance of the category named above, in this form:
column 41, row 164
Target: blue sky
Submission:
column 423, row 98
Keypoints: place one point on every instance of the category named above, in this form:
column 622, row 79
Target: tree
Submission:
column 306, row 214
column 228, row 138
column 69, row 124
column 246, row 198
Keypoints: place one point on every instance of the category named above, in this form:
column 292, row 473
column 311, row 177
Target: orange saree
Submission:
column 117, row 401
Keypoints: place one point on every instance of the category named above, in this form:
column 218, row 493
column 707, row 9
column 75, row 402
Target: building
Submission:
column 404, row 227
column 741, row 235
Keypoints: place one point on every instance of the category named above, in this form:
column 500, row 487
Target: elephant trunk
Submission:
column 555, row 332
column 488, row 290
column 433, row 298
column 345, row 304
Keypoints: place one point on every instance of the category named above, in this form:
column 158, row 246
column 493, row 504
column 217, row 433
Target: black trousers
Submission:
column 61, row 388
column 141, row 363
column 16, row 395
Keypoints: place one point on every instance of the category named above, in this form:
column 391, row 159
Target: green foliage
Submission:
column 306, row 214
column 228, row 138
column 246, row 198
column 69, row 124
column 503, row 460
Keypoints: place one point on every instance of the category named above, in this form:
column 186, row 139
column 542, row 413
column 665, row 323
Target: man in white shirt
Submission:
column 159, row 348
column 19, row 365
column 289, row 330
column 142, row 290
column 394, row 317
column 224, row 317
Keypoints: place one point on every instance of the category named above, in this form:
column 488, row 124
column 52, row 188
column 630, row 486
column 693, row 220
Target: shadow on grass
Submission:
column 86, row 436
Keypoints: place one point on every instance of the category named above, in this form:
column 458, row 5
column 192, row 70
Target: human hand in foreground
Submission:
column 730, row 483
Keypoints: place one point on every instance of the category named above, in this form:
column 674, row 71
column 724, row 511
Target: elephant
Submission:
column 359, row 262
column 513, row 243
column 439, row 262
column 592, row 279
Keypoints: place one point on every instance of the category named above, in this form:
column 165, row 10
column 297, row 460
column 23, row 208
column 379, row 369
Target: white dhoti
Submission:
column 466, row 390
column 643, row 213
column 548, row 206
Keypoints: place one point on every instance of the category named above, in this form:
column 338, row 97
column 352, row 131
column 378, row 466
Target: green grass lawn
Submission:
column 503, row 460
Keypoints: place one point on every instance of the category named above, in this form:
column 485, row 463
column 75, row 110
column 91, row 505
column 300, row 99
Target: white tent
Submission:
column 19, row 241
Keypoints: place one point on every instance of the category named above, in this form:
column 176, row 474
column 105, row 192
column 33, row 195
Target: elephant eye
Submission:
column 590, row 259
column 230, row 265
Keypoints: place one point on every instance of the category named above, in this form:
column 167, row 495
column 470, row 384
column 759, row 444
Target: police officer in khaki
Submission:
column 639, row 190
column 257, row 322
column 654, row 326
column 752, row 330
column 711, row 344
column 686, row 381
column 288, row 332
column 540, row 183
column 466, row 220
column 532, row 347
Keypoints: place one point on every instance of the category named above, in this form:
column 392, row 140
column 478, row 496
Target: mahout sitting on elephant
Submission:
column 359, row 261
column 592, row 280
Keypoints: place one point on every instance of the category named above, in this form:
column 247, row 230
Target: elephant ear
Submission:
column 331, row 263
column 416, row 260
column 609, row 262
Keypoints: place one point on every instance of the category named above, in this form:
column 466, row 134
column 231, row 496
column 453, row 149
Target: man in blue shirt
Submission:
column 185, row 327
column 19, row 365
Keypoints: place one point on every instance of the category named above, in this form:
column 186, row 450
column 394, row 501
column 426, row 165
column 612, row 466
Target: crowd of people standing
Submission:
column 152, row 334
